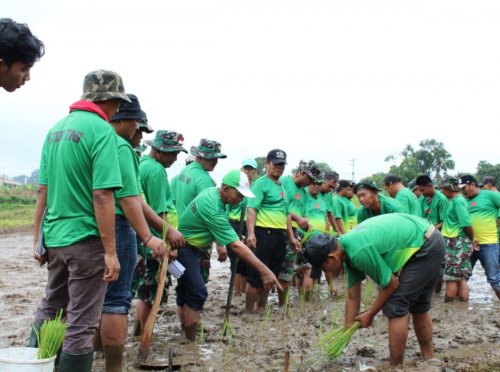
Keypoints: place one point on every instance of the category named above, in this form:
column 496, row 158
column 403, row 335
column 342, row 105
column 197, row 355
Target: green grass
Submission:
column 16, row 215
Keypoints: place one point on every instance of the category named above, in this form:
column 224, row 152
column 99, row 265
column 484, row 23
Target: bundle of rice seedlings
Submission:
column 335, row 341
column 51, row 336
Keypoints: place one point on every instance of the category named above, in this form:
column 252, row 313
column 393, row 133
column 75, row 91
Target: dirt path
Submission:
column 466, row 336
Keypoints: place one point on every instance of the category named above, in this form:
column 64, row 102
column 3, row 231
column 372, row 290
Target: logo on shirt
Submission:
column 297, row 196
column 65, row 135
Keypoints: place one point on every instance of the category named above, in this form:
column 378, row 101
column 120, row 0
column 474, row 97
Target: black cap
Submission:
column 129, row 110
column 276, row 156
column 317, row 248
column 344, row 183
column 465, row 180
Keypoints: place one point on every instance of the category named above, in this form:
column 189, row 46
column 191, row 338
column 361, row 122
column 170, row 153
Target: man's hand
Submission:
column 173, row 255
column 475, row 245
column 222, row 252
column 175, row 238
column 366, row 319
column 157, row 246
column 251, row 241
column 41, row 259
column 296, row 244
column 111, row 268
column 303, row 223
column 269, row 280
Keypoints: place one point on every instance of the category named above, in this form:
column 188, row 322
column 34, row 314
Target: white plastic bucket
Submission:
column 24, row 359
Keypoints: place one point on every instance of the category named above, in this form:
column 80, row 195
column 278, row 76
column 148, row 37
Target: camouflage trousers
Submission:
column 144, row 284
column 457, row 263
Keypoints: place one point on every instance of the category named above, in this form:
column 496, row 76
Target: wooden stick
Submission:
column 147, row 334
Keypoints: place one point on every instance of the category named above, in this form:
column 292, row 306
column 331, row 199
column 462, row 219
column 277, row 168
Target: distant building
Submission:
column 7, row 182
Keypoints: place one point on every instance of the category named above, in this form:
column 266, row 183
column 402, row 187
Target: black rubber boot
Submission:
column 76, row 363
column 33, row 341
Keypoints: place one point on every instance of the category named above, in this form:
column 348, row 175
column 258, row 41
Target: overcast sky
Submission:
column 325, row 80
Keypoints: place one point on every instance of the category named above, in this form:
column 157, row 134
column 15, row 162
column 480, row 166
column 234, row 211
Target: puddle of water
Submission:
column 481, row 292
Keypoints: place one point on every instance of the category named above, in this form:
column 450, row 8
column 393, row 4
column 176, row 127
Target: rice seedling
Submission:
column 335, row 341
column 51, row 336
column 227, row 330
column 286, row 307
column 267, row 313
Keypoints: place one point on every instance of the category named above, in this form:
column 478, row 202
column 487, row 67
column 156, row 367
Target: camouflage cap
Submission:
column 143, row 123
column 366, row 184
column 311, row 169
column 208, row 149
column 167, row 141
column 103, row 85
column 450, row 184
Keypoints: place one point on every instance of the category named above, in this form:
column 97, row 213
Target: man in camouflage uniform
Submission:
column 154, row 181
column 19, row 50
column 78, row 173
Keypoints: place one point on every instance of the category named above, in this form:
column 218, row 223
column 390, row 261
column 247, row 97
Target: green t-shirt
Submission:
column 154, row 183
column 296, row 196
column 344, row 210
column 316, row 212
column 381, row 246
column 387, row 205
column 270, row 203
column 79, row 155
column 234, row 211
column 409, row 202
column 205, row 220
column 457, row 217
column 129, row 169
column 483, row 209
column 435, row 210
column 192, row 180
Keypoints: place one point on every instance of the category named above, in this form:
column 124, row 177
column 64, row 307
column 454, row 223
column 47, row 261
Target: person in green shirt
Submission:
column 459, row 235
column 267, row 227
column 204, row 221
column 295, row 189
column 483, row 206
column 165, row 148
column 79, row 171
column 433, row 204
column 401, row 253
column 132, row 216
column 192, row 180
column 235, row 213
column 373, row 203
column 408, row 200
column 343, row 209
column 330, row 181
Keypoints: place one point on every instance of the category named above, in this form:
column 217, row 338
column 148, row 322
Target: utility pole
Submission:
column 352, row 163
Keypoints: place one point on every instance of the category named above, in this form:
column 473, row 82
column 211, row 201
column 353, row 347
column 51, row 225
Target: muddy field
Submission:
column 466, row 336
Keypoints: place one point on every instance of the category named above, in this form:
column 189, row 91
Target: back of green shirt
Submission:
column 456, row 218
column 435, row 210
column 387, row 205
column 79, row 155
column 192, row 180
column 129, row 169
column 270, row 203
column 409, row 202
column 483, row 209
column 205, row 220
column 381, row 246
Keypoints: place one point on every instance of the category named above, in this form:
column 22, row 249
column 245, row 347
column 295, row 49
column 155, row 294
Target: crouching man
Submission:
column 402, row 253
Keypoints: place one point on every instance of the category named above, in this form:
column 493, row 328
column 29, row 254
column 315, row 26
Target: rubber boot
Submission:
column 76, row 362
column 114, row 358
column 33, row 341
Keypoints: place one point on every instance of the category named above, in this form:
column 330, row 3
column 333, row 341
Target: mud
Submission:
column 466, row 335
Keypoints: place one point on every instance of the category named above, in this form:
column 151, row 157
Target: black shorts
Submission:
column 271, row 247
column 416, row 279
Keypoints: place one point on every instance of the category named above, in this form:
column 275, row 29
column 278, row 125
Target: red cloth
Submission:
column 88, row 106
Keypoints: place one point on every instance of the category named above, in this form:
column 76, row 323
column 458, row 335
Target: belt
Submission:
column 430, row 231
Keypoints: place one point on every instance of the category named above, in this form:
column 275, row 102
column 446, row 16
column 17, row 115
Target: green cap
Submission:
column 207, row 149
column 167, row 141
column 103, row 85
column 239, row 181
column 249, row 163
column 367, row 184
